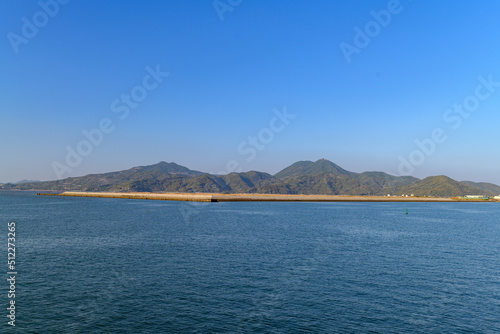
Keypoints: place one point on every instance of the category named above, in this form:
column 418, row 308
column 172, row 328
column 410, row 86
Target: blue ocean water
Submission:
column 92, row 265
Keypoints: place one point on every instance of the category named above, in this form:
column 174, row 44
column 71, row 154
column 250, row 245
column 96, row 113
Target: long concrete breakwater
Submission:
column 211, row 197
column 154, row 196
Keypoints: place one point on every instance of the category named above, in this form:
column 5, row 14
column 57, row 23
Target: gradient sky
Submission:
column 227, row 76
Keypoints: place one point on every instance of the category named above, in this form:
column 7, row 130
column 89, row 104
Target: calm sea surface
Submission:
column 90, row 265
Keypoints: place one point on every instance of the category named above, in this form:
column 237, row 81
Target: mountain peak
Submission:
column 303, row 177
column 171, row 168
column 302, row 168
column 441, row 185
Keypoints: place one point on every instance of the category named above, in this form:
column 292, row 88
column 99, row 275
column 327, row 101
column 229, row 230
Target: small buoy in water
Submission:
column 406, row 212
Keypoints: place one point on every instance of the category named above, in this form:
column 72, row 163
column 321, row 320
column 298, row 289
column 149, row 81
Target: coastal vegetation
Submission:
column 322, row 177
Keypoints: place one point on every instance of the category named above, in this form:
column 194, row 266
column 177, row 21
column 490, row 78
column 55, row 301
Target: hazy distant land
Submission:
column 301, row 178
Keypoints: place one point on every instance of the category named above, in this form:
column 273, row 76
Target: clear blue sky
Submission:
column 226, row 77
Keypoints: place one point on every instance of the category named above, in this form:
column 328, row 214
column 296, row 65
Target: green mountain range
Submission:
column 303, row 177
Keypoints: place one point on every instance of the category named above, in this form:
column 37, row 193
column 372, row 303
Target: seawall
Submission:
column 166, row 196
column 199, row 197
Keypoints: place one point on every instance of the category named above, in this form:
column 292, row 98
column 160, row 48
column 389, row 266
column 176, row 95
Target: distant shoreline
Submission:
column 214, row 197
